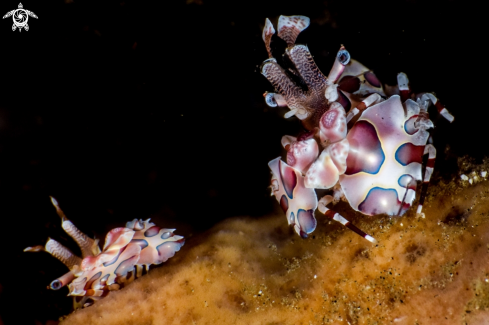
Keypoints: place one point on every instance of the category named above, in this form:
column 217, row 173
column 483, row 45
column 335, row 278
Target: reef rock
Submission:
column 425, row 270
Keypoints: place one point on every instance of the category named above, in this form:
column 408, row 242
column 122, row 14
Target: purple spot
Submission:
column 344, row 101
column 141, row 242
column 408, row 153
column 306, row 220
column 289, row 179
column 350, row 84
column 284, row 203
column 167, row 250
column 103, row 281
column 292, row 219
column 407, row 181
column 380, row 200
column 372, row 79
column 126, row 265
column 88, row 285
column 305, row 135
column 366, row 154
column 153, row 231
column 409, row 125
column 112, row 261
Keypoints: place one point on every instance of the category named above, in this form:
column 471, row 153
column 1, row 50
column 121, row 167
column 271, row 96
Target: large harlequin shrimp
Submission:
column 366, row 145
column 126, row 252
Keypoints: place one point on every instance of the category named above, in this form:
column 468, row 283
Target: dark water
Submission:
column 135, row 109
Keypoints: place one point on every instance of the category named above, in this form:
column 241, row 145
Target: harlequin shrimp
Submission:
column 364, row 143
column 127, row 251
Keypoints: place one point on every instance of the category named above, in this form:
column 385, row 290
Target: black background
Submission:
column 140, row 109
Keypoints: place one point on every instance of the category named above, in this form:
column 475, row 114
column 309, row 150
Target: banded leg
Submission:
column 426, row 99
column 431, row 151
column 404, row 87
column 337, row 217
column 410, row 193
column 367, row 102
column 139, row 270
column 128, row 278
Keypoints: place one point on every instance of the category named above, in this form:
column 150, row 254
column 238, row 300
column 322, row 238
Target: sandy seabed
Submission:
column 431, row 270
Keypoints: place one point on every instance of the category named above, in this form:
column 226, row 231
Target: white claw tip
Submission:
column 402, row 81
column 34, row 249
column 331, row 93
column 270, row 100
column 371, row 239
column 268, row 30
column 290, row 113
column 53, row 200
column 420, row 208
column 444, row 112
column 299, row 22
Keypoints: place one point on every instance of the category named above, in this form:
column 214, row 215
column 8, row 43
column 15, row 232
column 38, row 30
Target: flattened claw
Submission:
column 281, row 82
column 289, row 27
column 87, row 245
column 59, row 251
column 307, row 106
column 307, row 68
column 289, row 92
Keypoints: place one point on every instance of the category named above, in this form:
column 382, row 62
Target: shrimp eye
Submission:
column 343, row 56
column 55, row 285
column 270, row 100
